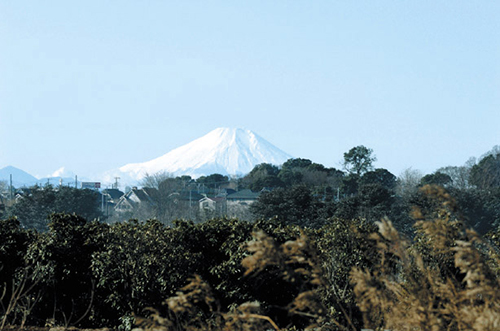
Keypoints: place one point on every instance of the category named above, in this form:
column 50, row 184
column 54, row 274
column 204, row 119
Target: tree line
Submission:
column 299, row 192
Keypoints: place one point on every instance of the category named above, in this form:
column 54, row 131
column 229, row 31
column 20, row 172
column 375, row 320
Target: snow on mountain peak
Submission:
column 62, row 172
column 227, row 151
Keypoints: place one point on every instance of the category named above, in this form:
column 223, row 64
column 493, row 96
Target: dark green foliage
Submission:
column 63, row 256
column 34, row 207
column 14, row 242
column 296, row 163
column 213, row 181
column 437, row 178
column 486, row 174
column 295, row 205
column 141, row 264
column 291, row 177
column 349, row 185
column 359, row 160
column 261, row 176
column 379, row 176
column 480, row 209
column 372, row 202
column 135, row 267
column 292, row 171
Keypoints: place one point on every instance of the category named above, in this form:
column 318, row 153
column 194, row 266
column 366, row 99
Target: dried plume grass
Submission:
column 296, row 262
column 248, row 317
column 187, row 310
column 410, row 291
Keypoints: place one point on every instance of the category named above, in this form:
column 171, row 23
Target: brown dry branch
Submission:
column 264, row 253
column 185, row 310
column 248, row 317
column 22, row 298
column 298, row 263
column 154, row 322
column 197, row 291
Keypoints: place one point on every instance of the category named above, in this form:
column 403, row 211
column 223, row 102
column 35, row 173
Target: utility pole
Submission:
column 190, row 203
column 11, row 189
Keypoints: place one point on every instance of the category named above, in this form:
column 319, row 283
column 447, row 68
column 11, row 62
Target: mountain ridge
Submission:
column 19, row 176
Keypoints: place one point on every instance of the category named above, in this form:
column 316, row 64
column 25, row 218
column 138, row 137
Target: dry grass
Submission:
column 443, row 282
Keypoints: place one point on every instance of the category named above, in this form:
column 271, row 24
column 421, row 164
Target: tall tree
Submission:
column 486, row 174
column 359, row 160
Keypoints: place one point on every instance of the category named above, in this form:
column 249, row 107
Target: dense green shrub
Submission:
column 37, row 203
column 63, row 258
column 14, row 242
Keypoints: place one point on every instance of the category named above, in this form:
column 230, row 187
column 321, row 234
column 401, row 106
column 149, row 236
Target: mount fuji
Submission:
column 225, row 151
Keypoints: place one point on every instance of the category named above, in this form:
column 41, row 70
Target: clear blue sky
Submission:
column 93, row 85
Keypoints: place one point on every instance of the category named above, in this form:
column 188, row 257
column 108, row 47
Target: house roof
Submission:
column 151, row 192
column 142, row 195
column 190, row 195
column 226, row 191
column 113, row 193
column 245, row 194
column 215, row 199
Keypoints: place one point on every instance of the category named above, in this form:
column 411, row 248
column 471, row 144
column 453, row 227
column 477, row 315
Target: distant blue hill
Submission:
column 19, row 177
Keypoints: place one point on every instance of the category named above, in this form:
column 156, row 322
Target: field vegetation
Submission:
column 413, row 253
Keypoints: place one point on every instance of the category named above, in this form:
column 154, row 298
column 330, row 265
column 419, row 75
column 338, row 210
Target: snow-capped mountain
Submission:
column 224, row 151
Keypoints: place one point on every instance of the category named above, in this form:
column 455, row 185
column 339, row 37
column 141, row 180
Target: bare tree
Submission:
column 154, row 180
column 4, row 187
column 407, row 182
column 167, row 192
column 459, row 176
